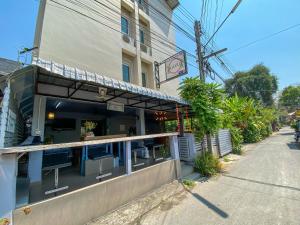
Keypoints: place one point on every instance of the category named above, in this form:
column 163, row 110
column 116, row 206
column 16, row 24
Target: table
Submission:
column 56, row 173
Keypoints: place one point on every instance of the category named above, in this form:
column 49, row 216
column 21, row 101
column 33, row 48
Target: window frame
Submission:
column 144, row 79
column 125, row 18
column 142, row 32
column 129, row 72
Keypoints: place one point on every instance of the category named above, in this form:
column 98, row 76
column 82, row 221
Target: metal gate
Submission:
column 224, row 141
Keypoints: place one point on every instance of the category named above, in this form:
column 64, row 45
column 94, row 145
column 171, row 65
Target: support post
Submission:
column 173, row 143
column 128, row 157
column 37, row 129
column 8, row 179
column 197, row 28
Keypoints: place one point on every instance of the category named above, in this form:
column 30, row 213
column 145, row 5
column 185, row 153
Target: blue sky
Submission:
column 253, row 19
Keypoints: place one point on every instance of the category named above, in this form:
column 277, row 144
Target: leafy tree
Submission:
column 205, row 100
column 257, row 83
column 290, row 98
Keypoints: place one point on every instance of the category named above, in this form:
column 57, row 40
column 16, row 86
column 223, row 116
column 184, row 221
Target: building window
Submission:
column 126, row 73
column 142, row 37
column 144, row 80
column 124, row 25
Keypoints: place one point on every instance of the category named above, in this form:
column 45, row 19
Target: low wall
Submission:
column 83, row 205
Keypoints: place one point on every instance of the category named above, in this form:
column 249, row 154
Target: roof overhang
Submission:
column 173, row 3
column 61, row 81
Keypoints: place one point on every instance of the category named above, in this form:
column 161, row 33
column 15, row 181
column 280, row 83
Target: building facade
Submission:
column 120, row 39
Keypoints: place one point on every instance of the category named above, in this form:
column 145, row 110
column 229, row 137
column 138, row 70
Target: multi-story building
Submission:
column 90, row 104
column 120, row 39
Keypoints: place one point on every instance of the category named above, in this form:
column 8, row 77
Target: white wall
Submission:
column 66, row 37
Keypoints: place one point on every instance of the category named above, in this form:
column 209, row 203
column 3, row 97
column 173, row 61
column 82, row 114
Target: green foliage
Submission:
column 290, row 98
column 237, row 140
column 207, row 164
column 256, row 83
column 247, row 120
column 205, row 99
column 189, row 184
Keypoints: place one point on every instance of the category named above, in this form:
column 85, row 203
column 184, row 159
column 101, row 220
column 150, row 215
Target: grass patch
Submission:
column 226, row 159
column 207, row 164
column 189, row 184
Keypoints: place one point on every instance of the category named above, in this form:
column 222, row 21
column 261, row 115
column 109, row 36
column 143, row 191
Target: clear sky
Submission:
column 254, row 19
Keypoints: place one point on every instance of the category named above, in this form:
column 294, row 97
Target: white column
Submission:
column 138, row 62
column 128, row 157
column 174, row 147
column 140, row 122
column 38, row 126
column 173, row 141
column 8, row 165
column 4, row 113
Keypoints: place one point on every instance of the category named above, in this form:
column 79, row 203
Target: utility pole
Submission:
column 197, row 28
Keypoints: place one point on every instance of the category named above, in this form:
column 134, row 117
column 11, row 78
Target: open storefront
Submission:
column 77, row 129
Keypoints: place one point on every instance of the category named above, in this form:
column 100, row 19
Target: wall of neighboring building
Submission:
column 71, row 36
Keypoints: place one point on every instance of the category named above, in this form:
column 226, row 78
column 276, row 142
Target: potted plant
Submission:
column 89, row 126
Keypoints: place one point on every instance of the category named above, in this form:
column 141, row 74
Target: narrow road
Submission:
column 263, row 187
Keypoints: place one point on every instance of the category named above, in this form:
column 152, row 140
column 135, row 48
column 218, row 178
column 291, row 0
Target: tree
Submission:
column 290, row 98
column 205, row 100
column 257, row 83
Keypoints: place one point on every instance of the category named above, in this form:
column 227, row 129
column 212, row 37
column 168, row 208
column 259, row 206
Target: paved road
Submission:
column 263, row 187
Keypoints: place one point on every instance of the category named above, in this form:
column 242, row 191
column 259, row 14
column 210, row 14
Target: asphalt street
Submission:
column 262, row 187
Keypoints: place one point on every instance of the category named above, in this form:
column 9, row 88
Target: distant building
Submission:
column 8, row 66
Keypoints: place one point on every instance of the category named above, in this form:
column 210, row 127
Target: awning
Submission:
column 62, row 81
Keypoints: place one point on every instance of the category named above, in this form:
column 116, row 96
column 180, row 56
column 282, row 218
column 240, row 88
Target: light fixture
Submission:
column 51, row 116
column 57, row 105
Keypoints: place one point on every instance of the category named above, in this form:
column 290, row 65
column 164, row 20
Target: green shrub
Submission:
column 252, row 134
column 189, row 184
column 237, row 140
column 207, row 164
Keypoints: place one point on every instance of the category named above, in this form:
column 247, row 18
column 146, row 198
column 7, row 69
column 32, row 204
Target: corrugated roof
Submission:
column 8, row 66
column 77, row 74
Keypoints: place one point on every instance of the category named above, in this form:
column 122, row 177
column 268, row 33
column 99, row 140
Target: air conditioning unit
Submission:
column 126, row 38
column 144, row 48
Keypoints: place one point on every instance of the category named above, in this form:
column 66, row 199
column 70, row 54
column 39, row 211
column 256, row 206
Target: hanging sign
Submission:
column 176, row 65
column 115, row 106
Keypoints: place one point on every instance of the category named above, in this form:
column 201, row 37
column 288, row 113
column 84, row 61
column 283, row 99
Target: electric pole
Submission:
column 197, row 28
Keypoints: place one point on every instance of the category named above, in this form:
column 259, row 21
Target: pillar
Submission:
column 8, row 167
column 128, row 163
column 140, row 122
column 173, row 142
column 37, row 129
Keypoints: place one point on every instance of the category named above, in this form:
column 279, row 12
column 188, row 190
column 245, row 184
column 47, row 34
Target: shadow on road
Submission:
column 210, row 205
column 294, row 146
column 288, row 133
column 264, row 183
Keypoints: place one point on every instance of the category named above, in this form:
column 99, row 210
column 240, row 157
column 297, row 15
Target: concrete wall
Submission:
column 83, row 205
column 8, row 166
column 67, row 37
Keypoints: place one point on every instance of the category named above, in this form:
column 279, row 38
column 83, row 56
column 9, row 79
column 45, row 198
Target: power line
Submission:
column 263, row 38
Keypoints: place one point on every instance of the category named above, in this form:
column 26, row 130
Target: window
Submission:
column 126, row 73
column 124, row 25
column 142, row 37
column 144, row 80
column 141, row 2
